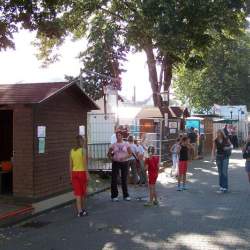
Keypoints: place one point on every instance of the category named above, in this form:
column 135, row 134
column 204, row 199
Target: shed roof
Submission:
column 176, row 112
column 32, row 93
column 149, row 112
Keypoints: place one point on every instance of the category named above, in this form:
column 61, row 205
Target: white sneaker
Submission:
column 127, row 199
column 115, row 199
column 220, row 191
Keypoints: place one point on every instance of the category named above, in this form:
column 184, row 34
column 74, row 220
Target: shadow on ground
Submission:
column 198, row 218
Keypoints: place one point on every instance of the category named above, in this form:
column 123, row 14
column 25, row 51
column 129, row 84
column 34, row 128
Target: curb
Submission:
column 16, row 212
column 21, row 215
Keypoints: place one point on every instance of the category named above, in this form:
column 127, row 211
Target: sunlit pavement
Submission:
column 199, row 218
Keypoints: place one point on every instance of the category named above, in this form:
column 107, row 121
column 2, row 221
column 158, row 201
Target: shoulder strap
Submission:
column 134, row 155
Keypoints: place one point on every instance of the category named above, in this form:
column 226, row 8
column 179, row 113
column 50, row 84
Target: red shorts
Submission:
column 152, row 177
column 79, row 182
column 183, row 165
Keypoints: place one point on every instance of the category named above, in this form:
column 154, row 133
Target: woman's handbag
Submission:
column 246, row 153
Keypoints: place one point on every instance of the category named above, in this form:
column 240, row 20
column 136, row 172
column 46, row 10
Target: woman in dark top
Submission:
column 222, row 147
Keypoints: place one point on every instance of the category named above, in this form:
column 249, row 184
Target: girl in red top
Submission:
column 152, row 166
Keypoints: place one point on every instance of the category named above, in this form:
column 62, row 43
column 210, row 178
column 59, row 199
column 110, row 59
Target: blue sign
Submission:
column 193, row 123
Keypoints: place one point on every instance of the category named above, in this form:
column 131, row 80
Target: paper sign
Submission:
column 173, row 125
column 172, row 131
column 41, row 145
column 41, row 131
column 82, row 130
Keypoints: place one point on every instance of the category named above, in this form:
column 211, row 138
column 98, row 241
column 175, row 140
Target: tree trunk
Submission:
column 153, row 78
column 167, row 66
column 168, row 74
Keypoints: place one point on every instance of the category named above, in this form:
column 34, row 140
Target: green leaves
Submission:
column 105, row 54
column 171, row 32
column 224, row 78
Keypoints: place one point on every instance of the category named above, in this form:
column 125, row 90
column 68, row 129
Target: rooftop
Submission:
column 34, row 93
column 28, row 92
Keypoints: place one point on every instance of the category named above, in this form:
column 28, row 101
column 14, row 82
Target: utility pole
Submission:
column 134, row 95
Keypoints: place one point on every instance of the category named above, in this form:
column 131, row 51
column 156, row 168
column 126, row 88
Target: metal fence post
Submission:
column 160, row 140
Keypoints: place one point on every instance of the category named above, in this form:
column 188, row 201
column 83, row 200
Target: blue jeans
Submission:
column 222, row 165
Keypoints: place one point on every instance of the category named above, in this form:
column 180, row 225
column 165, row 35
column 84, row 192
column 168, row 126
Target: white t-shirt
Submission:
column 113, row 139
column 174, row 148
column 134, row 149
column 145, row 145
column 140, row 149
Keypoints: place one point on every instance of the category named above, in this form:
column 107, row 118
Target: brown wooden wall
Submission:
column 23, row 177
column 208, row 124
column 62, row 117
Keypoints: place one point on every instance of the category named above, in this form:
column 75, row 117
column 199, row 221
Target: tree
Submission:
column 169, row 32
column 224, row 79
column 104, row 55
column 38, row 15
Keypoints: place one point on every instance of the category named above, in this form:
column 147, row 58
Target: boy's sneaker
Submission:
column 115, row 199
column 148, row 204
column 220, row 191
column 127, row 198
column 84, row 213
column 184, row 187
column 179, row 188
column 156, row 203
column 80, row 214
column 225, row 190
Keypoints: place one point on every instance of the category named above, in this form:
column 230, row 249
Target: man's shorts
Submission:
column 183, row 165
column 79, row 183
column 247, row 166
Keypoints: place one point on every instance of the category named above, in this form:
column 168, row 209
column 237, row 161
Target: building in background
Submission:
column 39, row 124
column 236, row 115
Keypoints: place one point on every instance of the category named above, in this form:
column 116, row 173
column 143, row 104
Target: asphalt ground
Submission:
column 198, row 218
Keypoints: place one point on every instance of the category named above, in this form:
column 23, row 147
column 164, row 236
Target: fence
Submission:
column 165, row 150
column 98, row 160
column 100, row 127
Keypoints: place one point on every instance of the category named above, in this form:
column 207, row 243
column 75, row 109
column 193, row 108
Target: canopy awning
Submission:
column 226, row 121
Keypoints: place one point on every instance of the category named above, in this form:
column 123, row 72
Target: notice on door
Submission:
column 41, row 145
column 41, row 131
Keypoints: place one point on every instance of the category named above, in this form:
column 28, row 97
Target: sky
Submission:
column 21, row 66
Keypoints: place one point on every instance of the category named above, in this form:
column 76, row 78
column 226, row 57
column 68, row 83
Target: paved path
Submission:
column 198, row 218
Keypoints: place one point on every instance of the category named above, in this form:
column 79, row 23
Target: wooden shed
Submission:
column 204, row 124
column 38, row 126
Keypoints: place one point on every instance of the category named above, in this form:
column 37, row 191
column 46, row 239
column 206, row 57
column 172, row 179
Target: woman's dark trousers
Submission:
column 116, row 167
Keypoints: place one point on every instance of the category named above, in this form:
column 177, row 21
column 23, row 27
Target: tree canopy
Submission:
column 169, row 32
column 224, row 79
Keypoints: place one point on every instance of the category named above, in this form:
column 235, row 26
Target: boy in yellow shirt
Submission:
column 79, row 174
